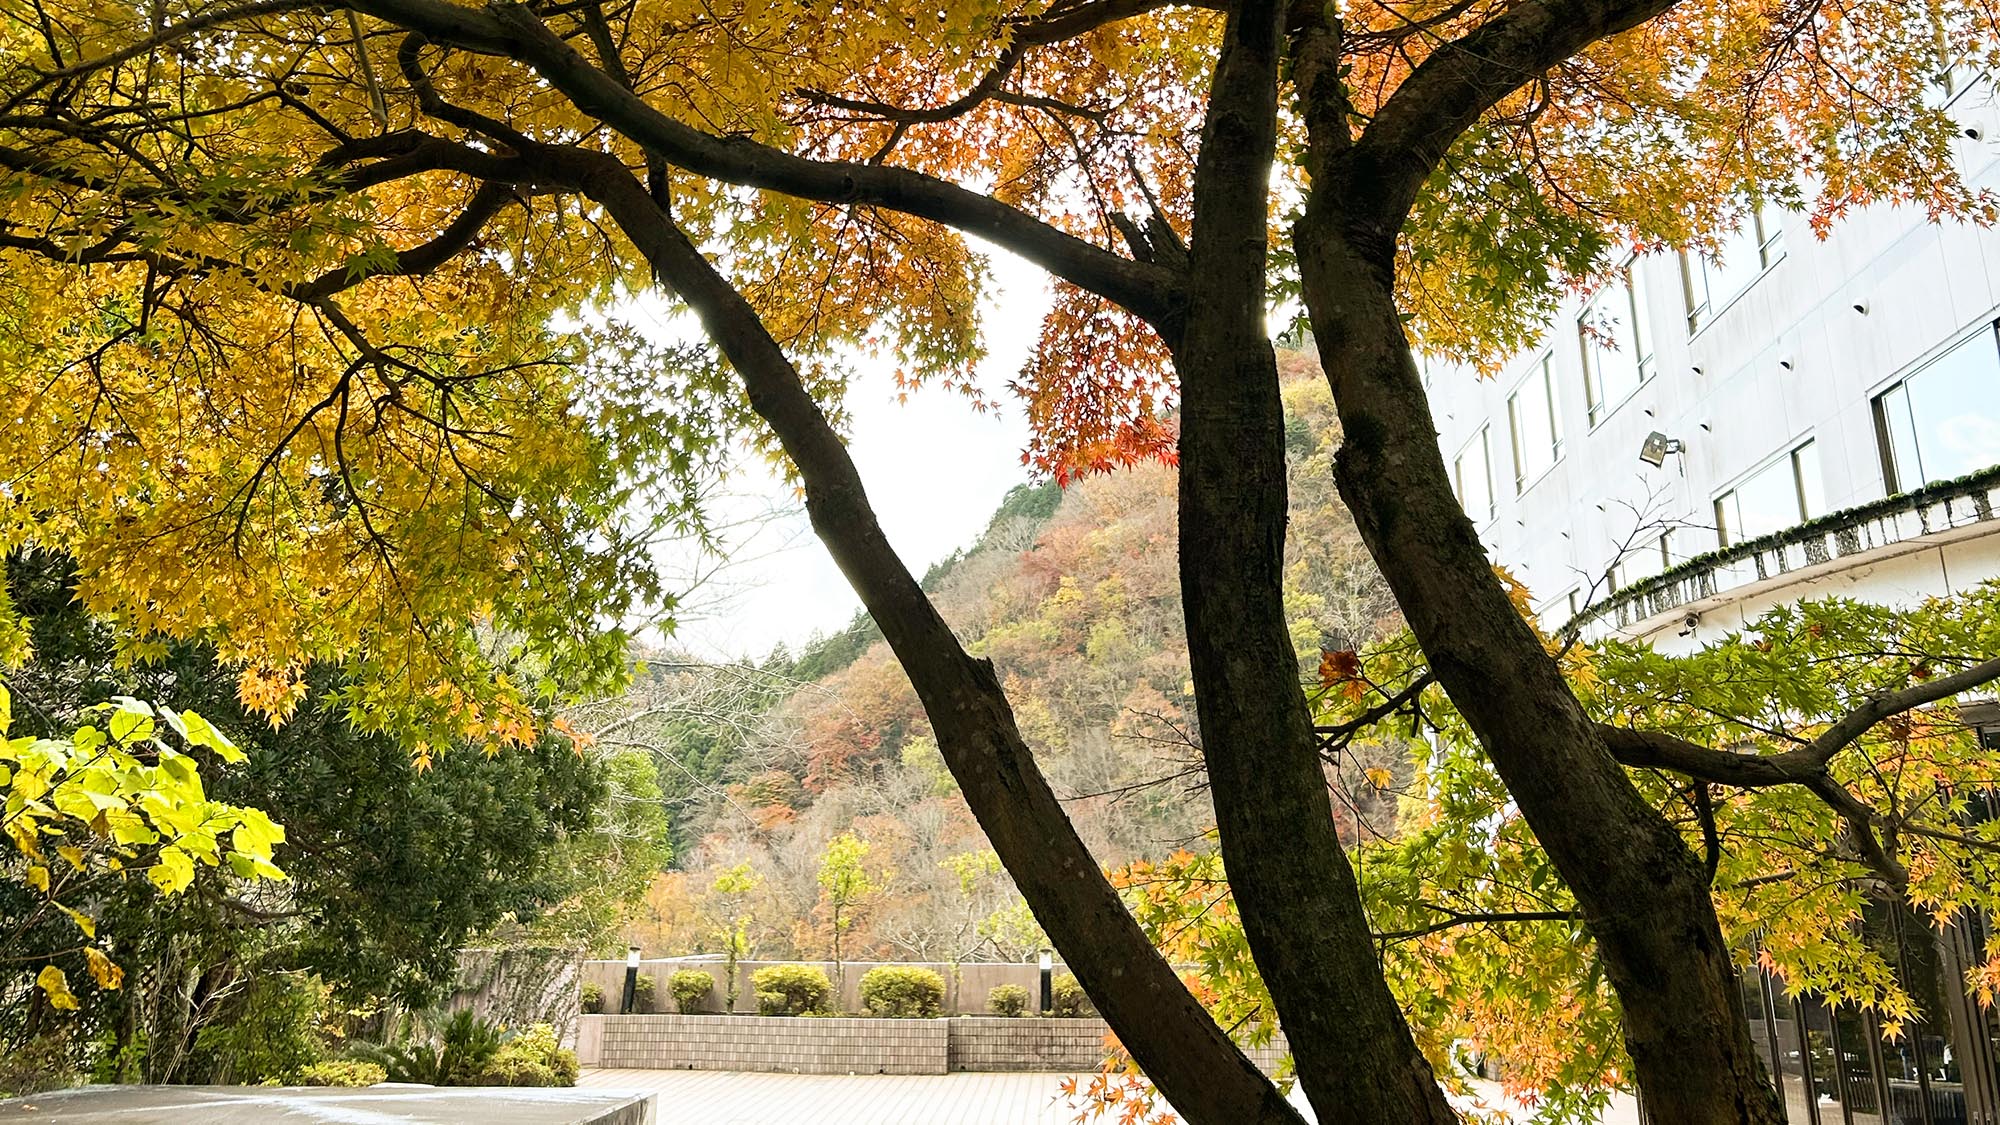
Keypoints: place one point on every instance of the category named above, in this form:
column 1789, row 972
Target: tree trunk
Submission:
column 1199, row 1069
column 1644, row 894
column 1293, row 886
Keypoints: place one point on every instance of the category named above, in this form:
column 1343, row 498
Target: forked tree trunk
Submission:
column 1293, row 886
column 1643, row 892
column 1199, row 1068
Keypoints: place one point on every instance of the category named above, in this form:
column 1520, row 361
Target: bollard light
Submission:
column 1047, row 961
column 631, row 981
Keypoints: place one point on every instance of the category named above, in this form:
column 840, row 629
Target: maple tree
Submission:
column 362, row 249
column 1467, row 906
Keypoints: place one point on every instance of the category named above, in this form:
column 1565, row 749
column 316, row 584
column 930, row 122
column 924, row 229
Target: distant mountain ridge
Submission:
column 1074, row 595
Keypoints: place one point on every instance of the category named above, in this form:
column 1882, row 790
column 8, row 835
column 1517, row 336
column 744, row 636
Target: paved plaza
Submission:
column 727, row 1098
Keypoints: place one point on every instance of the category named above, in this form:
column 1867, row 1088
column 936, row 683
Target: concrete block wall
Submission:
column 992, row 1043
column 966, row 988
column 773, row 1044
column 852, row 1045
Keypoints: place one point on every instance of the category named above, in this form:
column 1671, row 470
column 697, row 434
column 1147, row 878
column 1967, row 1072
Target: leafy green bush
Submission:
column 645, row 993
column 771, row 1004
column 272, row 1035
column 453, row 1055
column 1007, row 1000
column 532, row 1058
column 690, row 988
column 801, row 988
column 343, row 1072
column 42, row 1063
column 593, row 999
column 1068, row 1000
column 903, row 992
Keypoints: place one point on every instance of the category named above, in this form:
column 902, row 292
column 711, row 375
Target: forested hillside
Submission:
column 1073, row 595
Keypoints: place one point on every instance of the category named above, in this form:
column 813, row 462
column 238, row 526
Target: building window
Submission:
column 1472, row 476
column 1534, row 426
column 1617, row 344
column 1782, row 494
column 1559, row 612
column 1944, row 421
column 1640, row 562
column 1744, row 254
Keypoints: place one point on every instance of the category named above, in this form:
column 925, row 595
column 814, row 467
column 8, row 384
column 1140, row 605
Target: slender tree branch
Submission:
column 1453, row 919
column 1339, row 734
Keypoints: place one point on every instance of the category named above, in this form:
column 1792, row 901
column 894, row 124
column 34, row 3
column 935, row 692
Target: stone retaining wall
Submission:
column 993, row 1043
column 779, row 1044
column 852, row 1045
column 966, row 986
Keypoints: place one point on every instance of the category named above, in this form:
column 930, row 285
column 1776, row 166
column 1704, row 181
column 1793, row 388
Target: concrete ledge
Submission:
column 254, row 1105
column 790, row 1045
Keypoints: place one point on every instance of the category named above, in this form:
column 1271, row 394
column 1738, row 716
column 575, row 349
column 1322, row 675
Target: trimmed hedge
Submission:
column 1007, row 1000
column 593, row 999
column 1068, row 1000
column 644, row 989
column 343, row 1072
column 690, row 988
column 792, row 990
column 903, row 992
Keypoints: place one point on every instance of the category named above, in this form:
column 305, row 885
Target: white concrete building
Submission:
column 1830, row 410
column 1806, row 417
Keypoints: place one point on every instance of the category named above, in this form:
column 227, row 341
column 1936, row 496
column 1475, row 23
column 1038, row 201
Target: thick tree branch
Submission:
column 1644, row 749
column 1463, row 79
column 1856, row 722
column 1657, row 750
column 1062, row 23
column 1806, row 766
column 417, row 260
column 1149, row 291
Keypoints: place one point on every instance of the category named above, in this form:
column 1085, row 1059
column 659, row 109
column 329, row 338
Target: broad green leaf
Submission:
column 173, row 870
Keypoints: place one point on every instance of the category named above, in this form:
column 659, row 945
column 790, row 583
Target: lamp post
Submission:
column 1048, row 963
column 631, row 981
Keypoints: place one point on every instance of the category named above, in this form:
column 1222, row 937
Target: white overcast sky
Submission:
column 934, row 467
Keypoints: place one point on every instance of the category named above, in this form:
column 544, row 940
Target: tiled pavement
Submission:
column 711, row 1097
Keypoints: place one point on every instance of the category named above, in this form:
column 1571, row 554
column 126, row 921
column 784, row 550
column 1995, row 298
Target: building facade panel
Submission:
column 1808, row 417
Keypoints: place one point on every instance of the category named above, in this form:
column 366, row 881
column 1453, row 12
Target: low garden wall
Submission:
column 781, row 1044
column 965, row 986
column 813, row 1045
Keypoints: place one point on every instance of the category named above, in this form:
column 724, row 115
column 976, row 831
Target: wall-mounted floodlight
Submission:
column 1657, row 446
